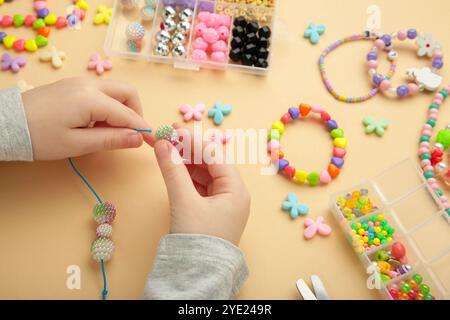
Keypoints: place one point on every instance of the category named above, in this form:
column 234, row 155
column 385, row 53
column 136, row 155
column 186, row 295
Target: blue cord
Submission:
column 104, row 292
column 143, row 130
column 84, row 180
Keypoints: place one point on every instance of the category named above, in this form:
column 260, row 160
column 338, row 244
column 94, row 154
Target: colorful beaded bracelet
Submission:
column 430, row 173
column 363, row 36
column 421, row 78
column 283, row 165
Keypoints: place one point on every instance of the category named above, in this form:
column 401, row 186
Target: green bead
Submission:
column 428, row 297
column 19, row 20
column 385, row 277
column 405, row 287
column 382, row 256
column 426, row 156
column 443, row 138
column 448, row 211
column 375, row 218
column 424, row 289
column 424, row 139
column 365, row 226
column 313, row 178
column 41, row 41
column 429, row 175
column 274, row 134
column 444, row 93
column 337, row 133
column 431, row 122
column 354, row 226
column 417, row 278
column 38, row 23
column 439, row 192
column 434, row 106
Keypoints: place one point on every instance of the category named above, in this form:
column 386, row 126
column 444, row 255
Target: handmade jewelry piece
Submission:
column 421, row 78
column 283, row 165
column 372, row 64
column 425, row 151
column 294, row 207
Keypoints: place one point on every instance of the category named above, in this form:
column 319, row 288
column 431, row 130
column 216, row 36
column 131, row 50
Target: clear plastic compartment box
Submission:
column 115, row 42
column 406, row 201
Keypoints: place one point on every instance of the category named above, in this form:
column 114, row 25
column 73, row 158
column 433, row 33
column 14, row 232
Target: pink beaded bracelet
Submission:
column 283, row 165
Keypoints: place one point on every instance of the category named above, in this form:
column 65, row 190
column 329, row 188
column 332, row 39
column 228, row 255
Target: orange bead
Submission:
column 280, row 155
column 44, row 31
column 304, row 109
column 333, row 171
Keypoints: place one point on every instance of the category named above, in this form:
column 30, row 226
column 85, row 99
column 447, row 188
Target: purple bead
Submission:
column 282, row 163
column 372, row 55
column 42, row 13
column 338, row 162
column 332, row 124
column 377, row 79
column 402, row 91
column 170, row 3
column 185, row 4
column 438, row 63
column 294, row 112
column 386, row 39
column 206, row 6
column 72, row 20
column 2, row 35
column 412, row 34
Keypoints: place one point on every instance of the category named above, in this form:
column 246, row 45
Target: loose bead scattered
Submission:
column 294, row 207
column 374, row 126
column 100, row 65
column 313, row 32
column 356, row 204
column 192, row 112
column 13, row 64
column 218, row 112
column 411, row 288
column 54, row 56
column 316, row 227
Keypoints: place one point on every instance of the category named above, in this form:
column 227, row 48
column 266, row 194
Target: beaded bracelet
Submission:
column 283, row 165
column 363, row 36
column 430, row 172
column 422, row 78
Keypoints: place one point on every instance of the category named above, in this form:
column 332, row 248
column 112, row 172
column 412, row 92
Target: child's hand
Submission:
column 204, row 199
column 77, row 116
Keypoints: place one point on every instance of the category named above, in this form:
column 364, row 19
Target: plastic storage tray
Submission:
column 115, row 42
column 422, row 226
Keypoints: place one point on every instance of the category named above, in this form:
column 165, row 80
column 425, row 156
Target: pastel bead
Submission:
column 325, row 177
column 31, row 45
column 220, row 46
column 402, row 35
column 372, row 64
column 325, row 116
column 385, row 85
column 29, row 20
column 289, row 171
column 19, row 45
column 331, row 125
column 199, row 55
column 294, row 112
column 438, row 54
column 211, row 35
column 7, row 21
column 224, row 33
column 273, row 145
column 286, row 118
column 50, row 20
column 338, row 161
column 340, row 142
column 413, row 88
column 379, row 44
column 219, row 57
column 200, row 44
column 200, row 29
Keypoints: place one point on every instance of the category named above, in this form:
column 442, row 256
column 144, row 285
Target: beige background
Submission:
column 45, row 212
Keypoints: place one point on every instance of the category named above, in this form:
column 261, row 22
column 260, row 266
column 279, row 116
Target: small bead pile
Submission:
column 393, row 263
column 371, row 232
column 411, row 288
column 356, row 204
column 250, row 43
column 175, row 29
column 283, row 165
column 103, row 15
column 425, row 152
column 212, row 32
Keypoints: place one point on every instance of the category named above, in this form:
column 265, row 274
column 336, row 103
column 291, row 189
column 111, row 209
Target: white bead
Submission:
column 441, row 168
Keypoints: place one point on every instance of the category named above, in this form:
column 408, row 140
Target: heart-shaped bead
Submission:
column 19, row 45
column 18, row 20
column 38, row 23
column 29, row 20
column 325, row 177
column 338, row 162
column 61, row 22
column 30, row 45
column 8, row 41
column 39, row 5
column 44, row 31
column 41, row 41
column 7, row 21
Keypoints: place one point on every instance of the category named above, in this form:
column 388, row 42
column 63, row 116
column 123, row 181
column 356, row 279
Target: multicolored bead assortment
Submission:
column 423, row 78
column 411, row 288
column 425, row 152
column 371, row 232
column 356, row 204
column 283, row 165
column 372, row 57
column 392, row 263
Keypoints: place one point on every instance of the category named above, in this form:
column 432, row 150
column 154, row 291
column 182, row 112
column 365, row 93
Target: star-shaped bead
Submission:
column 103, row 15
column 377, row 127
column 219, row 112
column 313, row 32
column 294, row 207
column 54, row 56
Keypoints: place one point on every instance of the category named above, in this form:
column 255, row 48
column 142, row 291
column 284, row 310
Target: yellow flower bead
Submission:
column 278, row 126
column 340, row 142
column 300, row 176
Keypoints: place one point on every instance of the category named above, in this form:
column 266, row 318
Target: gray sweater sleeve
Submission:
column 15, row 141
column 196, row 267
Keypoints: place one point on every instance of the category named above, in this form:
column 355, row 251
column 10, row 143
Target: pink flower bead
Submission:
column 438, row 54
column 200, row 44
column 7, row 21
column 224, row 33
column 402, row 35
column 372, row 64
column 413, row 89
column 211, row 35
column 203, row 16
column 200, row 29
column 220, row 46
column 219, row 56
column 379, row 44
column 385, row 85
column 199, row 55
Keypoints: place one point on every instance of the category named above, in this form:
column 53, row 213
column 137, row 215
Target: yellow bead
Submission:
column 31, row 45
column 384, row 233
column 340, row 142
column 278, row 126
column 389, row 239
column 361, row 231
column 347, row 211
column 300, row 176
column 365, row 239
column 50, row 20
column 358, row 225
column 380, row 217
column 341, row 201
column 356, row 194
column 376, row 241
column 83, row 5
column 8, row 41
column 377, row 229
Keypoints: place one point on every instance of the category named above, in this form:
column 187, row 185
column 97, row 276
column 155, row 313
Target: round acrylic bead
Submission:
column 102, row 249
column 104, row 212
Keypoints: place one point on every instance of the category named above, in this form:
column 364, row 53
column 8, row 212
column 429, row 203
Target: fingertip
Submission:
column 134, row 140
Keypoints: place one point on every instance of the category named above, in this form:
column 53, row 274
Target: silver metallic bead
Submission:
column 186, row 14
column 178, row 38
column 162, row 49
column 438, row 146
column 169, row 25
column 163, row 36
column 392, row 55
column 441, row 169
column 184, row 26
column 179, row 51
column 169, row 13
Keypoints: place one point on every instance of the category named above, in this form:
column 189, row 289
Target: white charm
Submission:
column 54, row 56
column 426, row 45
column 392, row 55
column 425, row 78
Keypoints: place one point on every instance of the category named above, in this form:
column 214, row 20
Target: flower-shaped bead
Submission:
column 294, row 207
column 102, row 249
column 192, row 112
column 426, row 45
column 313, row 227
column 103, row 15
column 54, row 56
column 97, row 63
column 313, row 32
column 377, row 127
column 13, row 64
column 219, row 112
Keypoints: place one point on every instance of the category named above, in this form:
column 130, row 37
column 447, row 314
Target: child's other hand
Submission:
column 204, row 199
column 76, row 116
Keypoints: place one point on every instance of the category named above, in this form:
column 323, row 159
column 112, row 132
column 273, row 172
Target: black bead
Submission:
column 264, row 32
column 262, row 53
column 240, row 21
column 237, row 42
column 251, row 38
column 250, row 48
column 247, row 59
column 252, row 27
column 238, row 31
column 236, row 54
column 261, row 63
column 263, row 43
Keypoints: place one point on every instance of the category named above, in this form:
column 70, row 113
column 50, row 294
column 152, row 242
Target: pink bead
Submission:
column 316, row 109
column 200, row 29
column 286, row 118
column 199, row 55
column 435, row 186
column 402, row 35
column 431, row 181
column 273, row 145
column 433, row 116
column 392, row 274
column 339, row 152
column 7, row 21
column 220, row 46
column 428, row 168
column 413, row 89
column 203, row 16
column 427, row 126
column 325, row 177
column 425, row 144
column 443, row 199
column 447, row 89
column 38, row 5
column 372, row 64
column 213, row 21
column 325, row 116
column 423, row 150
column 289, row 171
column 437, row 101
column 438, row 54
column 29, row 20
column 425, row 162
column 219, row 57
column 200, row 44
column 385, row 85
column 224, row 33
column 439, row 96
column 427, row 132
column 370, row 223
column 379, row 44
column 225, row 20
column 211, row 35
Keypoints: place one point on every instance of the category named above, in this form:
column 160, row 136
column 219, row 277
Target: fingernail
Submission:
column 134, row 140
